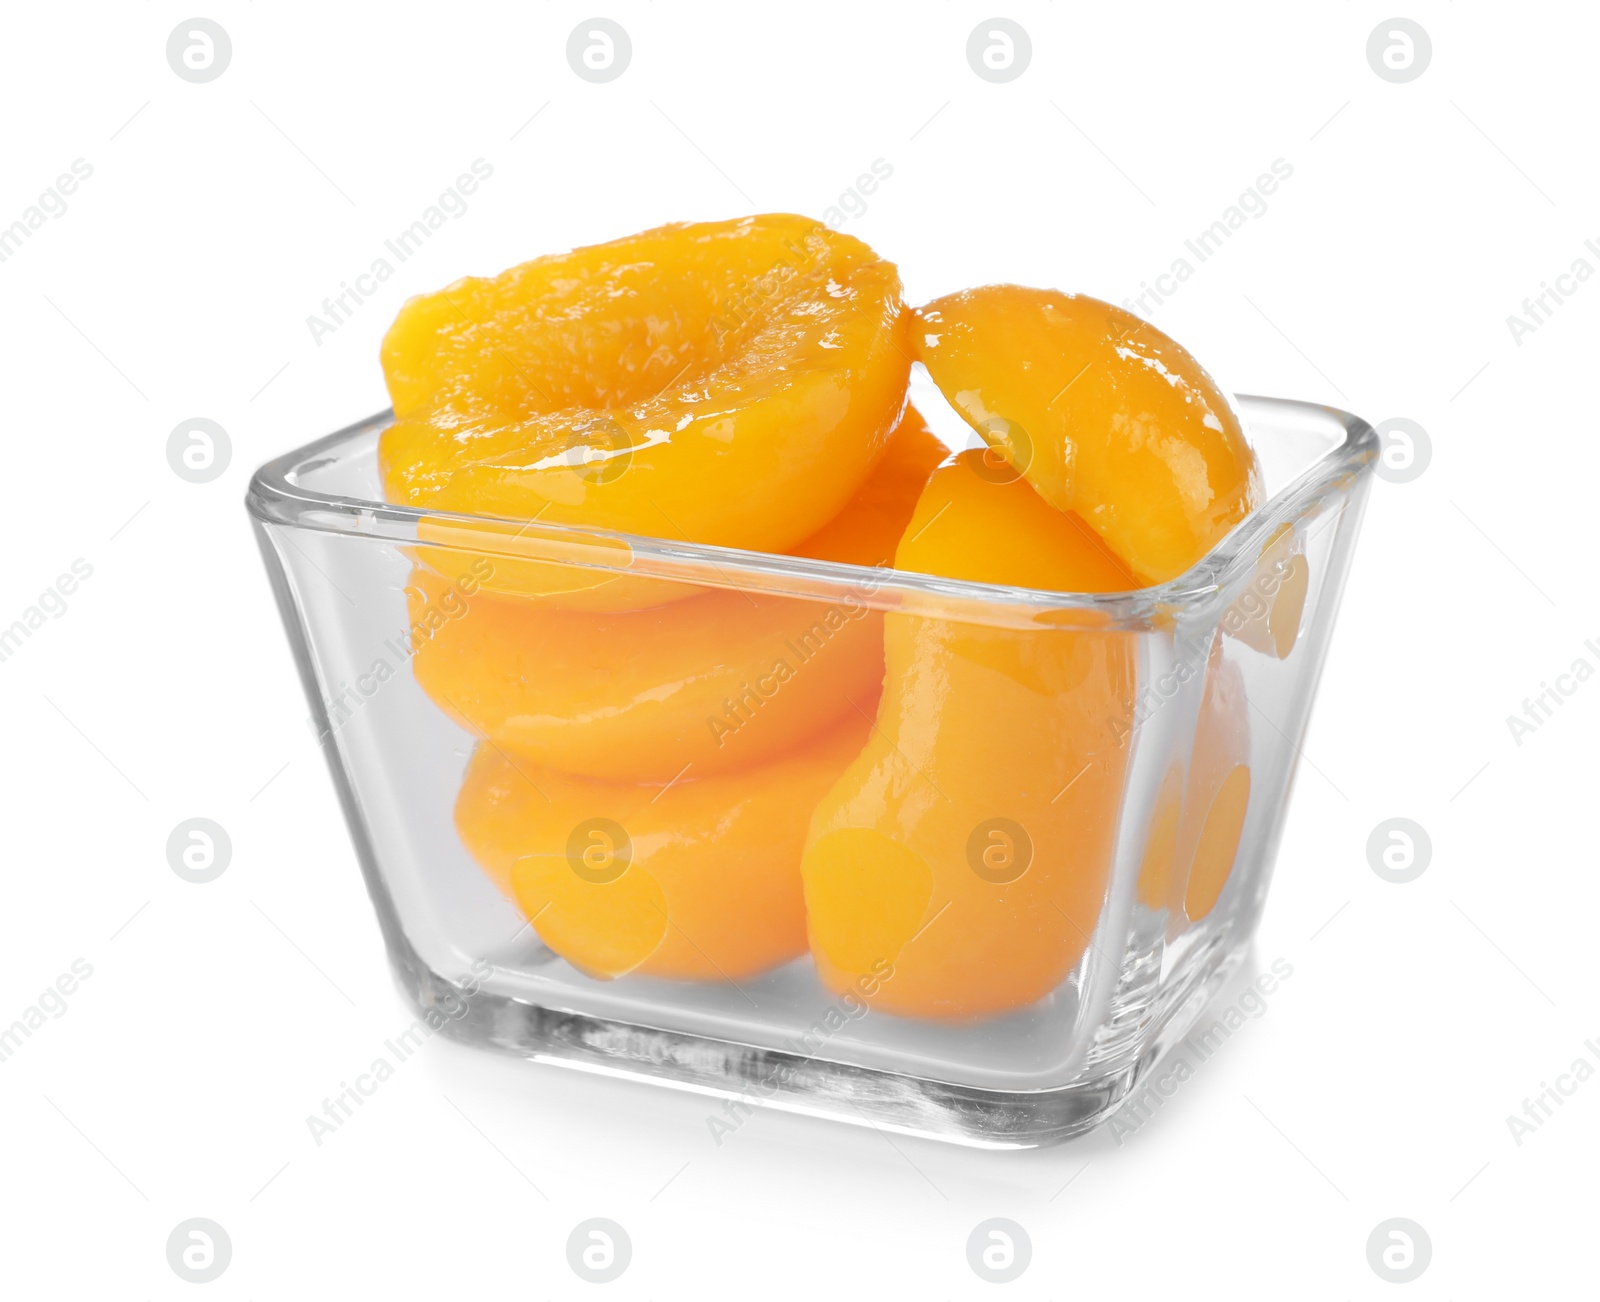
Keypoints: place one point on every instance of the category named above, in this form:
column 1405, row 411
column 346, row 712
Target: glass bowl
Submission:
column 1021, row 1022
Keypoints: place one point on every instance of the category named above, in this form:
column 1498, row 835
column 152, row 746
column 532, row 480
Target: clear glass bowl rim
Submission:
column 274, row 497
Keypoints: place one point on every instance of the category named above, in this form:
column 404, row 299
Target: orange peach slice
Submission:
column 718, row 681
column 695, row 880
column 1104, row 415
column 968, row 847
column 730, row 383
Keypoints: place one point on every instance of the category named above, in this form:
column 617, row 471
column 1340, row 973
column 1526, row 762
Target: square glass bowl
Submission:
column 1101, row 780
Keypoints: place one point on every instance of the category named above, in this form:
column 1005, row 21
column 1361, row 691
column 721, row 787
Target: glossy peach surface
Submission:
column 1106, row 416
column 697, row 880
column 720, row 680
column 728, row 382
column 969, row 845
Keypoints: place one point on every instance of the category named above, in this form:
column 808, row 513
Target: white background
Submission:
column 178, row 282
